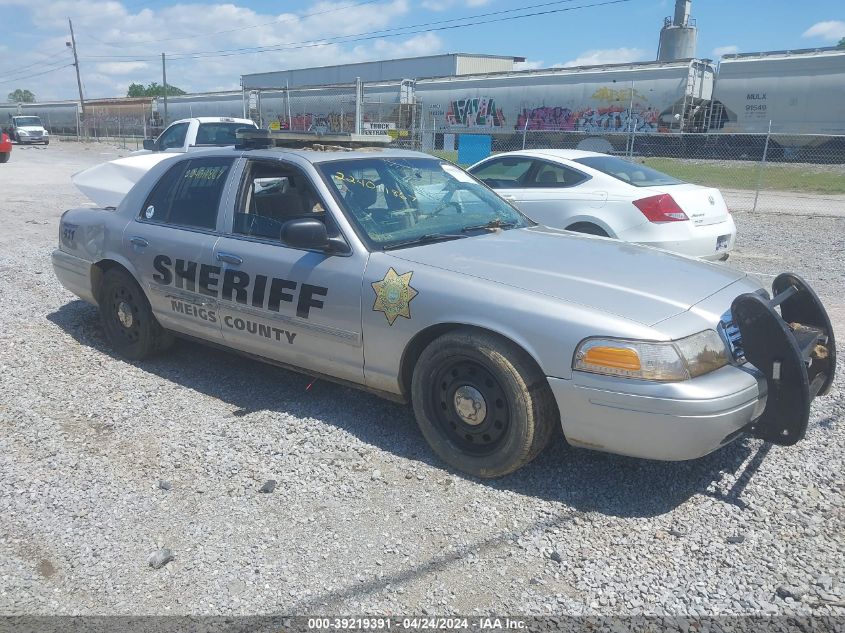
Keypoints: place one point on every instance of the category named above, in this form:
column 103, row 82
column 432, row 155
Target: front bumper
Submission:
column 790, row 349
column 665, row 421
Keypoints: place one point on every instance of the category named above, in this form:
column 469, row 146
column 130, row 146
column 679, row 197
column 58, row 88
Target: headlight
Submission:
column 670, row 361
column 23, row 132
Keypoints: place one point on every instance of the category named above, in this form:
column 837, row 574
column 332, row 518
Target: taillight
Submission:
column 661, row 208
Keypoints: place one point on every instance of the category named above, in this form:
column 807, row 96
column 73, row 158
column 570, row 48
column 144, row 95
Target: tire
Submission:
column 511, row 424
column 46, row 143
column 587, row 229
column 4, row 157
column 128, row 320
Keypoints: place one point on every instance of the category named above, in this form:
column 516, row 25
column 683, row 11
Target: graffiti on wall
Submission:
column 474, row 112
column 592, row 120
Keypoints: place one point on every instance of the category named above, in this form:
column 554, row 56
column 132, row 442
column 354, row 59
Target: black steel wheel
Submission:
column 471, row 406
column 482, row 403
column 127, row 317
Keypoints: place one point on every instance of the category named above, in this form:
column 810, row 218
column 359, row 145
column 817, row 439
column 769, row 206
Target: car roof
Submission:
column 568, row 154
column 215, row 119
column 314, row 155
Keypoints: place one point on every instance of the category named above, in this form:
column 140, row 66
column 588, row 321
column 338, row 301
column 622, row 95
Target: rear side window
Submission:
column 189, row 193
column 551, row 175
column 503, row 173
column 626, row 171
column 174, row 136
column 219, row 133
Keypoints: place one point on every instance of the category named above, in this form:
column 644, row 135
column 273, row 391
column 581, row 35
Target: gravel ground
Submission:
column 105, row 462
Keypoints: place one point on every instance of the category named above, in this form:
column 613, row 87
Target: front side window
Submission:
column 503, row 173
column 552, row 175
column 174, row 136
column 188, row 194
column 272, row 194
column 397, row 201
column 626, row 171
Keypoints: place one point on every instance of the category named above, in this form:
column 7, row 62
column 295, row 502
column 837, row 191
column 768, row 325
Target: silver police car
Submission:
column 401, row 274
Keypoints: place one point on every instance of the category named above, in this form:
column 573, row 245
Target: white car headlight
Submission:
column 649, row 360
column 23, row 132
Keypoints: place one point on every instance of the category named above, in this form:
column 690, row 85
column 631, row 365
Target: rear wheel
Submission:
column 587, row 228
column 482, row 403
column 4, row 157
column 128, row 319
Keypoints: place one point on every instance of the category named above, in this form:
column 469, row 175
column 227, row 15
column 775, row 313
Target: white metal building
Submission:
column 446, row 65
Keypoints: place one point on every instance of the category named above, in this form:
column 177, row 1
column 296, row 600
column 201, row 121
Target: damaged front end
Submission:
column 794, row 349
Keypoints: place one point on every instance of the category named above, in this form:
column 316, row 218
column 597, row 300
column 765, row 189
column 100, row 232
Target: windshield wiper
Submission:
column 425, row 239
column 497, row 223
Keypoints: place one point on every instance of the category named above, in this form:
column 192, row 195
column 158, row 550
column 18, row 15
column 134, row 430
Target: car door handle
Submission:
column 507, row 197
column 138, row 241
column 229, row 258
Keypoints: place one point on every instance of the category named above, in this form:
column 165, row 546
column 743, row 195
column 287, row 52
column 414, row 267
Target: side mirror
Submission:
column 150, row 144
column 305, row 233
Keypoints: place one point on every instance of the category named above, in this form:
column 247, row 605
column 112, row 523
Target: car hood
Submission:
column 30, row 128
column 640, row 283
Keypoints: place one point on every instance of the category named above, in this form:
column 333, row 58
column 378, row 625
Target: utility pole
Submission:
column 76, row 64
column 164, row 81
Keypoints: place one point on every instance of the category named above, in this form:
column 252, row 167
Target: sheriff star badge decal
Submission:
column 393, row 295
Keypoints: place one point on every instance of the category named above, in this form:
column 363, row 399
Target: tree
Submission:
column 21, row 96
column 841, row 43
column 153, row 90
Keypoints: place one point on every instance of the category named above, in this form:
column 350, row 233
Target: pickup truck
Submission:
column 26, row 129
column 181, row 135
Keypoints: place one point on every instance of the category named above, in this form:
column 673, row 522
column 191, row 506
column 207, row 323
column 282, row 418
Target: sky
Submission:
column 209, row 45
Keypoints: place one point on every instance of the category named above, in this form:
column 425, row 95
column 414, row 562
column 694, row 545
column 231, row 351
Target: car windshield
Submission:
column 403, row 201
column 633, row 173
column 27, row 120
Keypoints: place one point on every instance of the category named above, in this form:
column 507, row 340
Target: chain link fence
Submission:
column 755, row 172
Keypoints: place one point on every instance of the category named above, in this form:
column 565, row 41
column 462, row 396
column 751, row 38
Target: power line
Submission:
column 38, row 63
column 9, row 81
column 381, row 34
column 396, row 28
column 240, row 28
column 370, row 35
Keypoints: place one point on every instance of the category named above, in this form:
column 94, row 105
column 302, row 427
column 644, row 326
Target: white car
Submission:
column 606, row 195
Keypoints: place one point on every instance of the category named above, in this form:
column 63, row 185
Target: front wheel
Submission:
column 482, row 403
column 128, row 319
column 4, row 157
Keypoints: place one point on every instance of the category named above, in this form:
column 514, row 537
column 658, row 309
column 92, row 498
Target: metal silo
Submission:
column 678, row 35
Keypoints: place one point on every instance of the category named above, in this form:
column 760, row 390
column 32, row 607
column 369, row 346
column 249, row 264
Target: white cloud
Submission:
column 118, row 46
column 725, row 50
column 443, row 5
column 831, row 30
column 607, row 56
column 120, row 68
column 528, row 64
